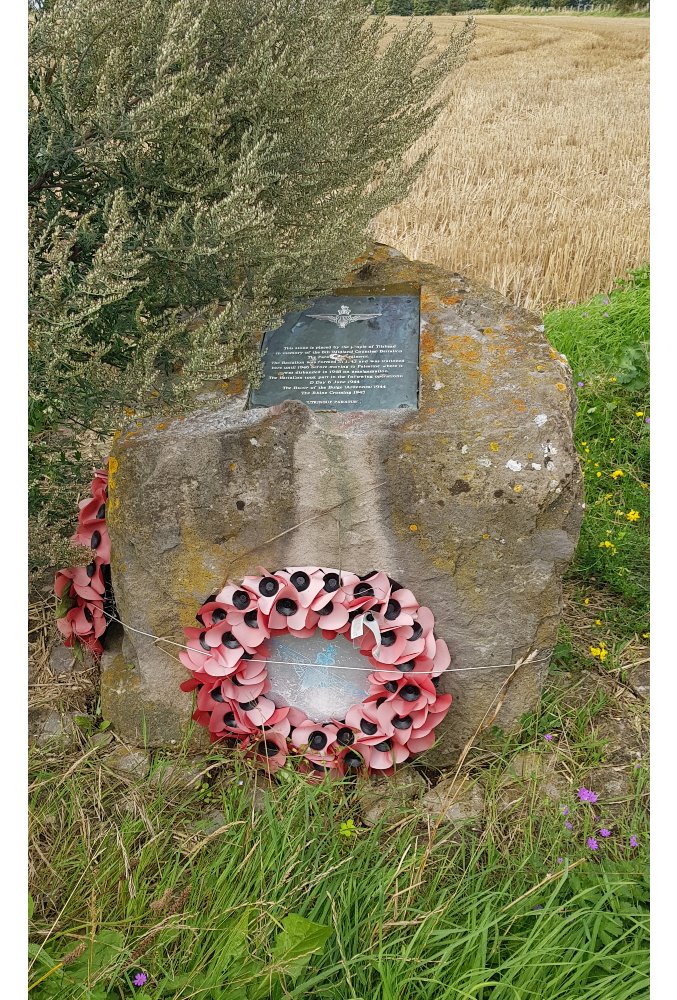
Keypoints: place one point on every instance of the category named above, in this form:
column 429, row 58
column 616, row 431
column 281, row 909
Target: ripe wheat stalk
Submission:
column 539, row 181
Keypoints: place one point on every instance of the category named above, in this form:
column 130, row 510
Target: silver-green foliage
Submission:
column 196, row 166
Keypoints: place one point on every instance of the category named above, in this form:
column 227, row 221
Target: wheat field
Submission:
column 539, row 183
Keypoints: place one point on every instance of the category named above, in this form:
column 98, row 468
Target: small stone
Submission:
column 455, row 800
column 210, row 823
column 390, row 797
column 130, row 763
column 58, row 726
column 515, row 784
column 62, row 661
column 102, row 739
column 614, row 787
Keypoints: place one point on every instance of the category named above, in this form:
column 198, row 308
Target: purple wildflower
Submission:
column 539, row 907
column 568, row 825
column 586, row 795
column 605, row 314
column 647, row 420
column 604, row 832
column 580, row 384
column 548, row 737
column 592, row 844
column 560, row 861
column 140, row 978
column 633, row 841
column 565, row 810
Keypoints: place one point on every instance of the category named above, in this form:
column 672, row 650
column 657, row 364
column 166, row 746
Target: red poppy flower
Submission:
column 85, row 622
column 270, row 750
column 85, row 581
column 316, row 741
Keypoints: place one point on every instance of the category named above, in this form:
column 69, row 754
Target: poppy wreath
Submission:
column 227, row 657
column 84, row 592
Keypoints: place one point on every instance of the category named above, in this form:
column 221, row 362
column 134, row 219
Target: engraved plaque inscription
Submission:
column 344, row 353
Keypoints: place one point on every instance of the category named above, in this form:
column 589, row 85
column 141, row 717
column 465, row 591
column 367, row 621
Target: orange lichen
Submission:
column 464, row 347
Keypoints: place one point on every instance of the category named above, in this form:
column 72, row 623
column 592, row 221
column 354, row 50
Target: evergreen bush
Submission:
column 196, row 167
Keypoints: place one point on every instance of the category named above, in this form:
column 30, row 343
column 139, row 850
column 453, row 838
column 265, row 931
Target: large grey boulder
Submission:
column 473, row 501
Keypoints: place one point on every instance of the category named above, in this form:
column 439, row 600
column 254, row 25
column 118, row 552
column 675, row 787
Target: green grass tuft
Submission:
column 607, row 343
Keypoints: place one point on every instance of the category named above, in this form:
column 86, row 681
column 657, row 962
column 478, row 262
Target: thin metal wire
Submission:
column 330, row 666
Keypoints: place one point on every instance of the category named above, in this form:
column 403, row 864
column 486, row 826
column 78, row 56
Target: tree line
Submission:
column 428, row 8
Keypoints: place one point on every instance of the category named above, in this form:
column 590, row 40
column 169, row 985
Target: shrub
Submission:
column 195, row 168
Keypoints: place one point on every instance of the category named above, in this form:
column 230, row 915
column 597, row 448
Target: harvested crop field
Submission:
column 539, row 182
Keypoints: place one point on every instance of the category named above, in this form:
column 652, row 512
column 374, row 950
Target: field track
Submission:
column 539, row 182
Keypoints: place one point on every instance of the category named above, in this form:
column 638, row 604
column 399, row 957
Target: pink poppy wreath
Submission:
column 227, row 658
column 83, row 591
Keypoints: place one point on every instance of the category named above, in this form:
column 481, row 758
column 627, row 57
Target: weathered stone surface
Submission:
column 390, row 797
column 455, row 800
column 473, row 501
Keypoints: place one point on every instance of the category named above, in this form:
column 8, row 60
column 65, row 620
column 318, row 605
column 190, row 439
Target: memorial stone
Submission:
column 432, row 422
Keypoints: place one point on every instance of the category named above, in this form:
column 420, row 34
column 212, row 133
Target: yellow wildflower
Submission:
column 598, row 474
column 586, row 601
column 413, row 527
column 633, row 515
column 617, row 473
column 612, row 440
column 598, row 621
column 613, row 378
column 639, row 413
column 645, row 635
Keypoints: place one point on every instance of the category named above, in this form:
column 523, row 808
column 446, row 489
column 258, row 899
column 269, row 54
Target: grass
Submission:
column 538, row 183
column 607, row 343
column 279, row 903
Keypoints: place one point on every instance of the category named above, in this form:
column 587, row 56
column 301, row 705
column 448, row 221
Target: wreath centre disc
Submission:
column 322, row 677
